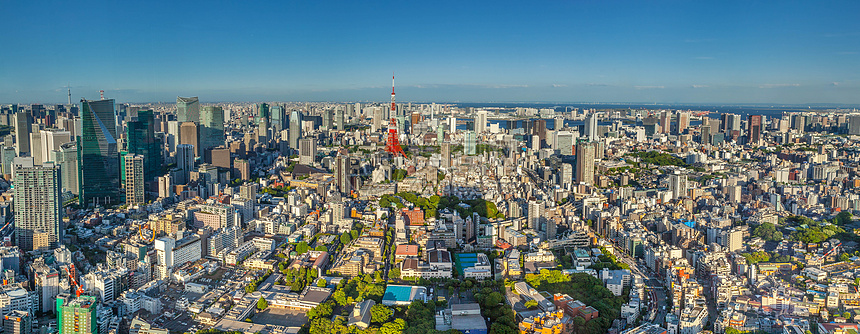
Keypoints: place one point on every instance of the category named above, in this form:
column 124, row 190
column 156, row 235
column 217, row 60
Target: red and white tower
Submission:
column 392, row 144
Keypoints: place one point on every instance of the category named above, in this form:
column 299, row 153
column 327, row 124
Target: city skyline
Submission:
column 738, row 52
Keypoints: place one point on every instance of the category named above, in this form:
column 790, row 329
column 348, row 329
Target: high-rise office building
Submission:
column 279, row 118
column 7, row 154
column 134, row 172
column 77, row 315
column 187, row 109
column 564, row 142
column 38, row 204
column 295, row 128
column 307, row 151
column 343, row 168
column 536, row 209
column 854, row 125
column 327, row 119
column 23, row 120
column 98, row 155
column 665, row 122
column 590, row 128
column 683, row 121
column 263, row 112
column 585, row 155
column 67, row 158
column 140, row 134
column 51, row 140
column 36, row 147
column 212, row 127
column 481, row 121
column 754, row 128
column 705, row 136
column 188, row 134
column 446, row 155
column 165, row 186
column 678, row 185
column 469, row 143
column 184, row 161
column 339, row 117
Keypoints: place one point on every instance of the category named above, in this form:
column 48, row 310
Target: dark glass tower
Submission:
column 141, row 140
column 98, row 157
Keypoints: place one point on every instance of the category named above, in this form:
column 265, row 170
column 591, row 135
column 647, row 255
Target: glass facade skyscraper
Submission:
column 187, row 109
column 98, row 157
column 140, row 135
column 212, row 127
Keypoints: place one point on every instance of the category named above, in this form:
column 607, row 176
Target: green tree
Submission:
column 321, row 283
column 321, row 248
column 394, row 327
column 262, row 304
column 732, row 330
column 531, row 304
column 302, row 247
column 394, row 273
column 380, row 313
column 345, row 238
column 846, row 315
column 844, row 257
column 844, row 217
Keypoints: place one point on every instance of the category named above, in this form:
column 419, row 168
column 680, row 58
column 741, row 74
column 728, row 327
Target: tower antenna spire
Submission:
column 69, row 86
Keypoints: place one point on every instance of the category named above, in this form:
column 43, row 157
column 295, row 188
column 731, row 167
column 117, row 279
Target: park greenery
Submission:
column 585, row 288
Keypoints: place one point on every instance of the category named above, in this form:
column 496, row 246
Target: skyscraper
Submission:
column 481, row 121
column 188, row 134
column 187, row 109
column 469, row 143
column 38, row 204
column 279, row 118
column 263, row 112
column 98, row 155
column 678, row 185
column 754, row 128
column 67, row 158
column 446, row 155
column 343, row 166
column 339, row 118
column 51, row 140
column 77, row 315
column 665, row 122
column 585, row 155
column 327, row 119
column 184, row 161
column 295, row 128
column 591, row 126
column 307, row 151
column 683, row 121
column 140, row 135
column 134, row 172
column 23, row 120
column 212, row 127
column 535, row 214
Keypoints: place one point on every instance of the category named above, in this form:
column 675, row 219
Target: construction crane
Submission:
column 73, row 283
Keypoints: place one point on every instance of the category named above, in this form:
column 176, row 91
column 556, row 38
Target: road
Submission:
column 653, row 287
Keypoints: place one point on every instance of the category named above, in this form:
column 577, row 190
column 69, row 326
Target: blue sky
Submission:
column 555, row 51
